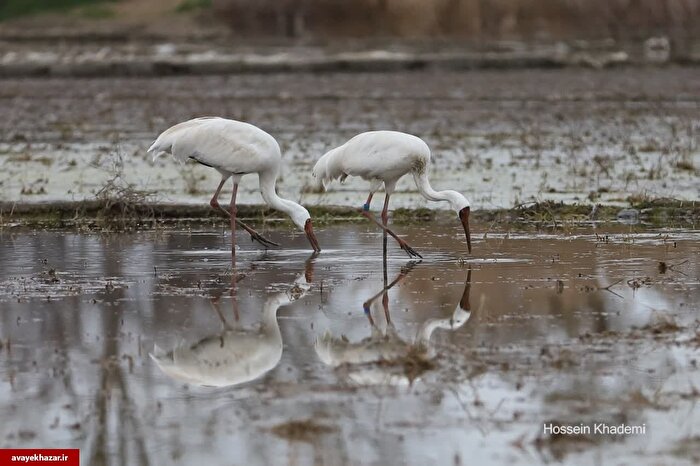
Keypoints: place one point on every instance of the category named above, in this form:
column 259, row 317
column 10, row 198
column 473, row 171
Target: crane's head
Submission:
column 464, row 218
column 302, row 219
column 459, row 318
column 461, row 205
column 309, row 230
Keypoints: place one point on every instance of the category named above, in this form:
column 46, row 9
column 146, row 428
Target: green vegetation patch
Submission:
column 96, row 11
column 135, row 212
column 550, row 211
column 15, row 8
column 663, row 211
column 187, row 6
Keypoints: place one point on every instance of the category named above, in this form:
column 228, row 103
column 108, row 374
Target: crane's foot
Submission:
column 409, row 250
column 255, row 236
column 408, row 267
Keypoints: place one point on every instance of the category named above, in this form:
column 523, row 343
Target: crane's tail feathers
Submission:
column 320, row 177
column 328, row 169
column 159, row 148
column 324, row 347
column 155, row 150
column 318, row 184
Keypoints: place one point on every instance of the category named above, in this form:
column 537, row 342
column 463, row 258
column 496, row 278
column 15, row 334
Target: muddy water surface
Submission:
column 137, row 349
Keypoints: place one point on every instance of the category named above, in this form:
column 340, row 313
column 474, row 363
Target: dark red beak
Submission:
column 464, row 218
column 309, row 230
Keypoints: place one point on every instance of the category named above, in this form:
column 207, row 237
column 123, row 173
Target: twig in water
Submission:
column 607, row 288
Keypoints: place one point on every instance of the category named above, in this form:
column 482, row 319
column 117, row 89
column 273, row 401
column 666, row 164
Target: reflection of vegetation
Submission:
column 414, row 363
column 117, row 424
column 14, row 8
column 192, row 5
column 301, row 431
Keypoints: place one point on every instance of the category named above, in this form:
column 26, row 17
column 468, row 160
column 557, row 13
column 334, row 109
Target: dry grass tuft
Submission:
column 121, row 204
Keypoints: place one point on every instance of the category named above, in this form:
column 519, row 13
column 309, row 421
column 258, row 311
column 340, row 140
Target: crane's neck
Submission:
column 459, row 317
column 427, row 329
column 268, row 181
column 270, row 309
column 456, row 200
column 274, row 302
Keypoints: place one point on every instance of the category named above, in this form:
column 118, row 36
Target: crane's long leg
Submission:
column 403, row 244
column 385, row 298
column 464, row 302
column 215, row 305
column 385, row 219
column 233, row 224
column 235, row 278
column 254, row 235
column 385, row 222
column 234, row 298
column 405, row 270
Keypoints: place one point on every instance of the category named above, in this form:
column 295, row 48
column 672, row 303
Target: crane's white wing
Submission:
column 227, row 145
column 374, row 155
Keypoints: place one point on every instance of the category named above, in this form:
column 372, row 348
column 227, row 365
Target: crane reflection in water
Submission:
column 235, row 355
column 385, row 357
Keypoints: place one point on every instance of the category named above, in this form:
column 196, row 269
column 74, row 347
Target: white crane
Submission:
column 235, row 149
column 236, row 355
column 382, row 157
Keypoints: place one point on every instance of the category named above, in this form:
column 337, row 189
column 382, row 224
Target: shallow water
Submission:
column 137, row 349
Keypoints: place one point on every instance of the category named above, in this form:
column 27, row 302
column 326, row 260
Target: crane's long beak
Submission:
column 309, row 230
column 464, row 218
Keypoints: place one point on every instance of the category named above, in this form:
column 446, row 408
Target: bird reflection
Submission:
column 384, row 357
column 235, row 355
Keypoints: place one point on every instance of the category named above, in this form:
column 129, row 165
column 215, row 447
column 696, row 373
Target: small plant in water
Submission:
column 121, row 204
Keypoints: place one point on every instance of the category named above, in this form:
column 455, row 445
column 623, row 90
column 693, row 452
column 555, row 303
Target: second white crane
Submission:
column 382, row 157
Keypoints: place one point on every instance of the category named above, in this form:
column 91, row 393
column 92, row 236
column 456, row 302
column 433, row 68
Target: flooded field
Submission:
column 147, row 348
column 500, row 137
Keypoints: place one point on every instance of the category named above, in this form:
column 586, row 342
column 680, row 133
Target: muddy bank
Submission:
column 118, row 214
column 167, row 60
column 115, row 213
column 501, row 138
column 109, row 55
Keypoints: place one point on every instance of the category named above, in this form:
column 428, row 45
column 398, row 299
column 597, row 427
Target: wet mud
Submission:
column 503, row 138
column 149, row 348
